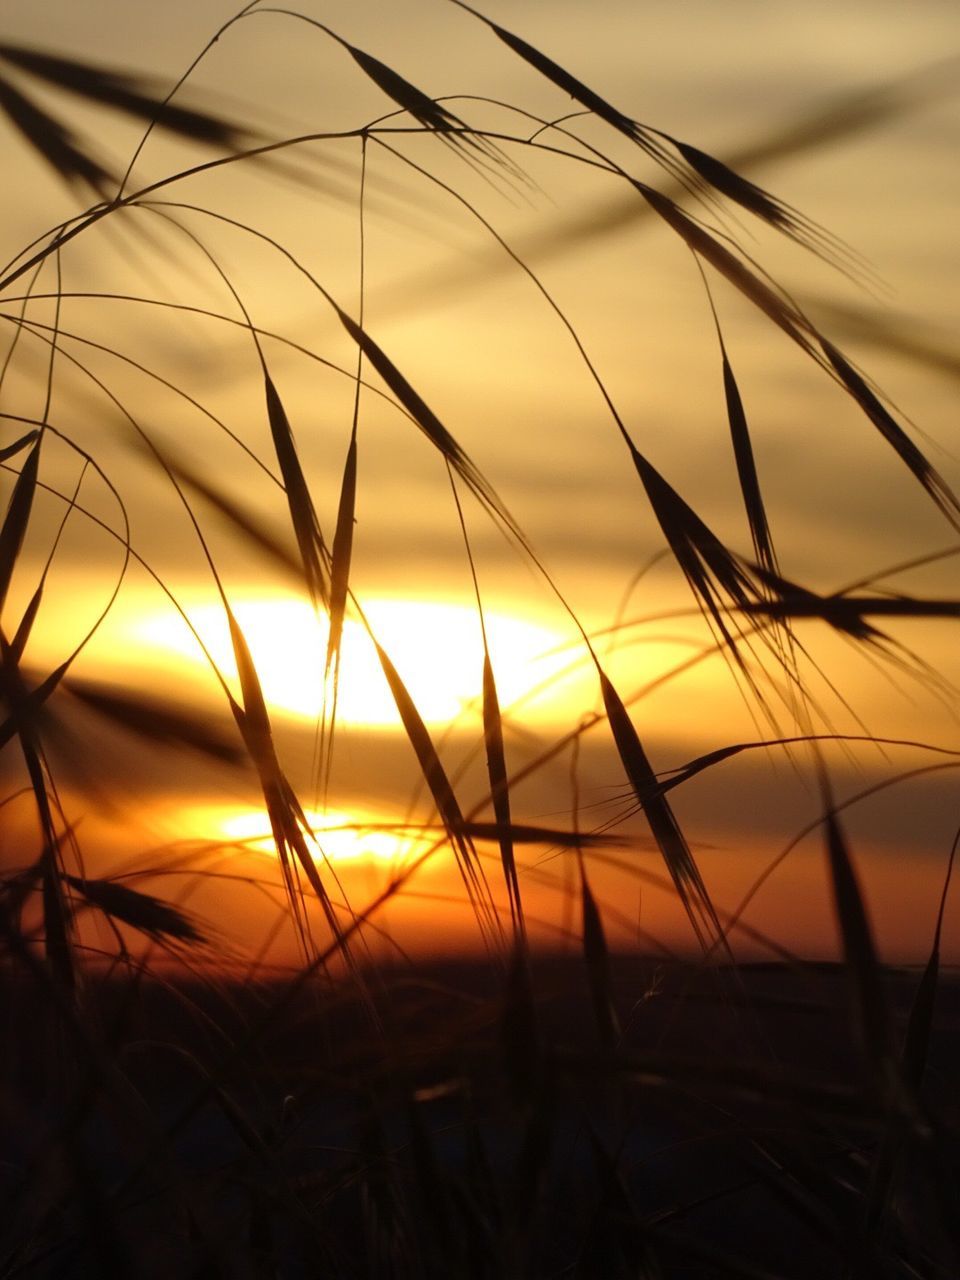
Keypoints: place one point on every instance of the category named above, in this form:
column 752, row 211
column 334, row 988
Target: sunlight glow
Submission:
column 436, row 648
column 339, row 836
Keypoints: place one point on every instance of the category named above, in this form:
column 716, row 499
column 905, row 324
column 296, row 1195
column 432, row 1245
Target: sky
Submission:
column 847, row 112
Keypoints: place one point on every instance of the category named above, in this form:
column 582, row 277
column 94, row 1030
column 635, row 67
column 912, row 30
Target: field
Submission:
column 478, row 657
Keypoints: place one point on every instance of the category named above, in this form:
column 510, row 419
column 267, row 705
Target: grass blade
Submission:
column 254, row 725
column 917, row 1039
column 238, row 516
column 126, row 93
column 255, row 722
column 428, row 422
column 56, row 142
column 158, row 722
column 340, row 570
column 141, row 911
column 576, row 89
column 894, row 434
column 24, row 703
column 706, row 761
column 432, row 115
column 303, row 516
column 735, row 187
column 440, row 787
column 499, row 790
column 845, row 613
column 57, row 921
column 22, row 634
column 288, row 823
column 697, row 549
column 774, row 212
column 11, row 450
column 424, row 109
column 859, row 951
column 666, row 831
column 22, row 724
column 519, row 1034
column 747, row 468
column 597, row 959
column 913, row 1065
column 777, row 308
column 529, row 833
column 711, row 570
column 16, row 519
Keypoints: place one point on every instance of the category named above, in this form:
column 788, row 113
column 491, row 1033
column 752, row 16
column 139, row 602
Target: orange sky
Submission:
column 478, row 341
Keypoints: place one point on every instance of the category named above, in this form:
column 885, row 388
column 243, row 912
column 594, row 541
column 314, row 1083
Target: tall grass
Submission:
column 177, row 1103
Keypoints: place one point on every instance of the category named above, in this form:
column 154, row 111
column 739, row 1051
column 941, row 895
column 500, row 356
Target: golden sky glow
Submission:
column 339, row 836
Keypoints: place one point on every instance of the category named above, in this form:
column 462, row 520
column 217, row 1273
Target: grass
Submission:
column 214, row 1068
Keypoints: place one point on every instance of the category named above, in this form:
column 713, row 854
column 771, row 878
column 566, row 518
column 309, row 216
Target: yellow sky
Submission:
column 480, row 344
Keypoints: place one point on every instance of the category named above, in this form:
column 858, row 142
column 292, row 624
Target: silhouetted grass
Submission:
column 175, row 1105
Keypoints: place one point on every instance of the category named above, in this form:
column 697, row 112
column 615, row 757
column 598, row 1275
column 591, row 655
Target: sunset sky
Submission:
column 847, row 112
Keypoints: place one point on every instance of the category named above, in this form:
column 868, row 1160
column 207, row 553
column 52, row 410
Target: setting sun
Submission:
column 436, row 647
column 339, row 836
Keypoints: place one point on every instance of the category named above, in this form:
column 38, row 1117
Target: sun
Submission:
column 436, row 647
column 337, row 836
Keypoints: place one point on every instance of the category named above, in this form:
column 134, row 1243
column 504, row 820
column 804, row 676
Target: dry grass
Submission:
column 172, row 1107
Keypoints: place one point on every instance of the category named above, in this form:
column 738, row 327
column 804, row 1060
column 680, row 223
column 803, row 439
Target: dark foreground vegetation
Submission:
column 596, row 1115
column 709, row 1123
